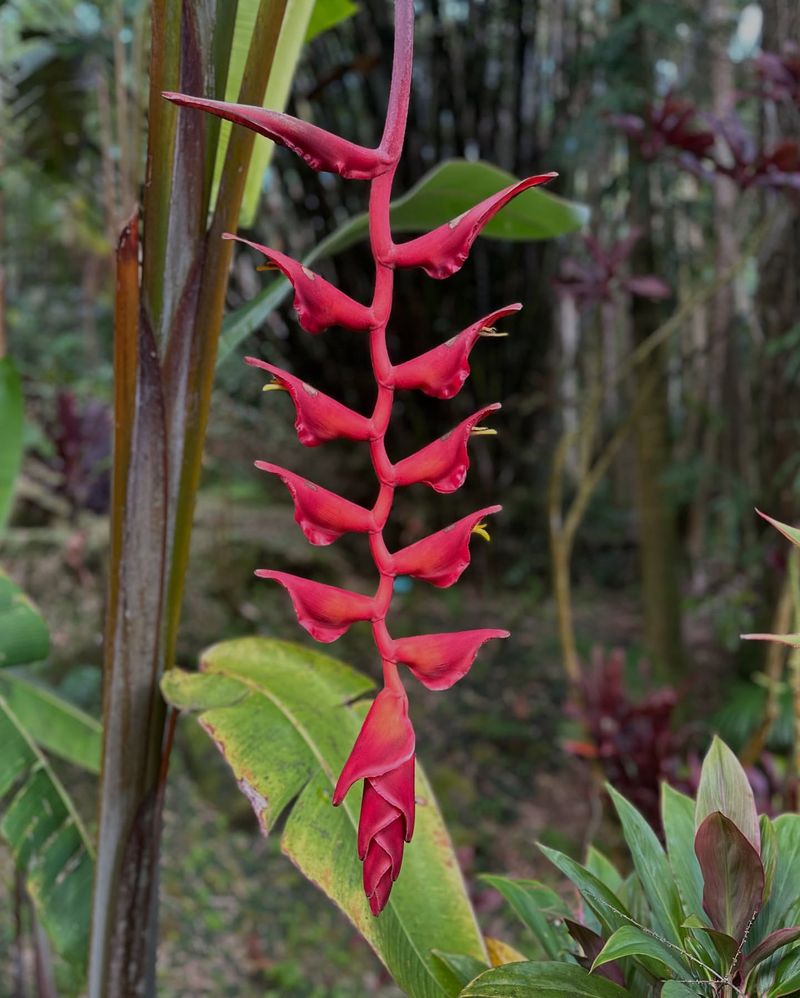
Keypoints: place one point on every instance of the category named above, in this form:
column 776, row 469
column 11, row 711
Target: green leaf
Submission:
column 790, row 533
column 677, row 815
column 443, row 193
column 532, row 902
column 24, row 636
column 724, row 787
column 12, row 413
column 630, row 940
column 462, row 968
column 327, row 14
column 554, row 980
column 604, row 903
column 47, row 840
column 284, row 719
column 652, row 868
column 787, row 976
column 602, row 867
column 777, row 910
column 674, row 989
column 55, row 724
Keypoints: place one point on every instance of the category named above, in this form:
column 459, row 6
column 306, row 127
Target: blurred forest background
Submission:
column 628, row 480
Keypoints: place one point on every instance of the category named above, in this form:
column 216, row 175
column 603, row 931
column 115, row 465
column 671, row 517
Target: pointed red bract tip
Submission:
column 441, row 558
column 323, row 516
column 325, row 612
column 440, row 660
column 443, row 464
column 319, row 417
column 441, row 372
column 319, row 305
column 443, row 251
column 322, row 151
column 385, row 824
column 385, row 741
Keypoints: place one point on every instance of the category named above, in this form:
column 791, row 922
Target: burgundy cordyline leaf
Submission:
column 441, row 372
column 383, row 754
column 319, row 305
column 323, row 516
column 319, row 417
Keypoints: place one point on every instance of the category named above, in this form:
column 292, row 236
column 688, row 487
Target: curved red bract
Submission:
column 383, row 754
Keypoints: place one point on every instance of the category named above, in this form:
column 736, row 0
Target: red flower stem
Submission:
column 382, row 247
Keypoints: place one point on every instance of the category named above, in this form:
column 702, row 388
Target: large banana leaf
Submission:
column 55, row 724
column 11, row 417
column 23, row 633
column 46, row 838
column 284, row 719
column 444, row 193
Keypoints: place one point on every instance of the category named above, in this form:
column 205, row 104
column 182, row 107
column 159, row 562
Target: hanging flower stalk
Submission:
column 383, row 755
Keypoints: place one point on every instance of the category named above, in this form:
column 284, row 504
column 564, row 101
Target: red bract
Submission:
column 319, row 305
column 320, row 149
column 442, row 252
column 443, row 464
column 323, row 516
column 383, row 754
column 442, row 557
column 319, row 417
column 325, row 611
column 441, row 372
column 440, row 660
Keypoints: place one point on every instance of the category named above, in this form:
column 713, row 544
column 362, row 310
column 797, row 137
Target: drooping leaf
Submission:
column 283, row 718
column 652, row 868
column 462, row 968
column 442, row 194
column 553, row 980
column 732, row 874
column 24, row 636
column 631, row 941
column 608, row 908
column 532, row 902
column 724, row 787
column 11, row 420
column 53, row 723
column 327, row 14
column 677, row 815
column 46, row 839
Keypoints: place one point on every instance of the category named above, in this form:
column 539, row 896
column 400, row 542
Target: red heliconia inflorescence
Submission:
column 383, row 754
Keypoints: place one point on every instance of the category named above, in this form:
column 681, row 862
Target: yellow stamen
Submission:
column 483, row 431
column 481, row 531
column 275, row 386
column 267, row 266
column 491, row 331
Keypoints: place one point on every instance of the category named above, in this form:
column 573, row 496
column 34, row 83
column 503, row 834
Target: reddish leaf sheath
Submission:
column 440, row 660
column 442, row 557
column 319, row 305
column 324, row 611
column 319, row 417
column 441, row 372
column 443, row 464
column 323, row 516
column 443, row 251
column 321, row 150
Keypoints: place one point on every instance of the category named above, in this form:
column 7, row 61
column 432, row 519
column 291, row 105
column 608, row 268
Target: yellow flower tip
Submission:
column 483, row 431
column 491, row 331
column 481, row 531
column 275, row 386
